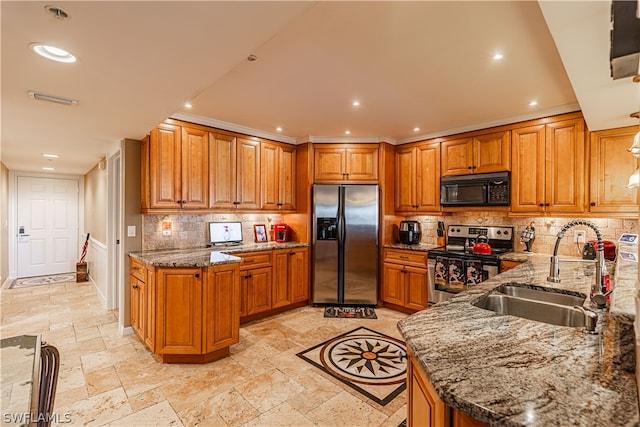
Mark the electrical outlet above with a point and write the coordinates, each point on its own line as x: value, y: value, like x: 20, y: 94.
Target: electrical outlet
x: 579, y: 236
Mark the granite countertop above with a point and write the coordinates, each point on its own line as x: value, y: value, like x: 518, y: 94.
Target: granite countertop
x: 420, y: 247
x: 509, y: 371
x: 204, y: 257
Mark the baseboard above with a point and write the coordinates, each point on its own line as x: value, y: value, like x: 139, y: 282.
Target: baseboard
x: 126, y: 330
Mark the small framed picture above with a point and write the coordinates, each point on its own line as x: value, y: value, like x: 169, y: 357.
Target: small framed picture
x: 260, y: 231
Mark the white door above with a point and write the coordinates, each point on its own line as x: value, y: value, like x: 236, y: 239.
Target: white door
x: 47, y: 226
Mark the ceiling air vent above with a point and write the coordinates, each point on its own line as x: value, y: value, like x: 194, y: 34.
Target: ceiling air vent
x: 51, y: 98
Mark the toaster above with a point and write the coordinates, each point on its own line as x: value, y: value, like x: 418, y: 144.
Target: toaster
x: 589, y: 250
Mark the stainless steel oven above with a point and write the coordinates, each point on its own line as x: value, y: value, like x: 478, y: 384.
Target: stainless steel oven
x: 455, y: 268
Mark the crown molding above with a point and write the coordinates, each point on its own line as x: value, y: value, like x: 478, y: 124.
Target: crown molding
x: 537, y: 114
x: 232, y: 127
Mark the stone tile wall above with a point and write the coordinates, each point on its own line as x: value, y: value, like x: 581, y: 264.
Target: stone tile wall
x: 547, y: 229
x: 191, y: 231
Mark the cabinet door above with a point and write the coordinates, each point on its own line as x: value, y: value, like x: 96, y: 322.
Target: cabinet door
x: 278, y: 175
x: 564, y: 155
x: 492, y: 152
x: 287, y: 177
x: 405, y: 179
x: 134, y: 304
x: 195, y: 168
x: 528, y: 169
x: 393, y: 284
x: 222, y: 174
x: 179, y: 310
x: 329, y: 164
x: 611, y: 167
x: 416, y: 297
x: 427, y: 177
x: 424, y: 406
x: 281, y: 290
x: 299, y: 274
x: 248, y: 174
x: 258, y: 290
x: 164, y: 167
x: 457, y: 157
x: 149, y: 330
x: 221, y: 303
x: 361, y: 163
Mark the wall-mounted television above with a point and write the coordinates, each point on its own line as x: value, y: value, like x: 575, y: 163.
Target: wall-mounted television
x: 225, y: 233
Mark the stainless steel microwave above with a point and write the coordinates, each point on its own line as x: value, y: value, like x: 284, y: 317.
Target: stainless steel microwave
x: 482, y: 189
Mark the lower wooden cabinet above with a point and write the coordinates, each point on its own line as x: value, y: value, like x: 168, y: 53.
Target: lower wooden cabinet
x: 179, y: 310
x: 424, y: 406
x: 404, y: 281
x: 192, y: 315
x: 221, y: 304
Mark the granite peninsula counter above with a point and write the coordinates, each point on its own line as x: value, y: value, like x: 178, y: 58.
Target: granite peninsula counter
x: 510, y: 371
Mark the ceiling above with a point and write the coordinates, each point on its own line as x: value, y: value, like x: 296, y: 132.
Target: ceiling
x: 410, y: 64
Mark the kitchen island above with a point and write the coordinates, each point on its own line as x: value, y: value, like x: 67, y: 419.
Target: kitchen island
x: 510, y: 371
x: 187, y: 304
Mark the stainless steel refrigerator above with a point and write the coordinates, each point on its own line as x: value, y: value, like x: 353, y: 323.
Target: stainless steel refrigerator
x: 345, y: 244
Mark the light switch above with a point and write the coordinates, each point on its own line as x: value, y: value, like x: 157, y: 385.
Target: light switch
x: 131, y: 231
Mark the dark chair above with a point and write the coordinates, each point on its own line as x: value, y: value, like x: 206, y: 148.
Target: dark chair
x: 49, y: 367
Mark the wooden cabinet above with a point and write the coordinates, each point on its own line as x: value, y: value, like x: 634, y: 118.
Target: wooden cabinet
x: 177, y: 166
x: 404, y: 282
x: 142, y: 302
x: 424, y: 406
x: 221, y: 307
x: 477, y: 154
x: 290, y: 276
x: 346, y: 162
x: 256, y: 282
x: 278, y: 175
x: 611, y: 165
x: 179, y: 310
x: 548, y: 168
x: 418, y: 178
x: 234, y: 172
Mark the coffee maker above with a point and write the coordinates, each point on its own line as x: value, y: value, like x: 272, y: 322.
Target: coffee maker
x: 410, y: 232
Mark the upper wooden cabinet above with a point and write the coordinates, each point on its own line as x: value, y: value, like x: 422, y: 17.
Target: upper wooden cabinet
x: 177, y: 162
x: 418, y: 178
x: 278, y: 175
x: 346, y: 162
x: 478, y: 154
x: 611, y: 165
x: 548, y: 167
x: 234, y: 172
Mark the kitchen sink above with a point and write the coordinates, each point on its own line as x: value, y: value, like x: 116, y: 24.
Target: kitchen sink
x: 539, y: 293
x: 540, y: 311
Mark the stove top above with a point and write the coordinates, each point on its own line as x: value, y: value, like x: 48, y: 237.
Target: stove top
x: 461, y: 238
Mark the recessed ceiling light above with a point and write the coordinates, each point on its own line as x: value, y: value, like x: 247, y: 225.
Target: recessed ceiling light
x: 252, y: 58
x: 48, y: 168
x: 347, y: 132
x: 50, y: 155
x: 497, y: 56
x: 53, y: 53
x: 279, y: 129
x: 533, y: 103
x: 188, y: 105
x: 416, y: 129
x: 356, y: 103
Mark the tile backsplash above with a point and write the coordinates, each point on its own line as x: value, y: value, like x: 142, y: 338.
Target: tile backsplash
x: 191, y: 231
x: 547, y: 228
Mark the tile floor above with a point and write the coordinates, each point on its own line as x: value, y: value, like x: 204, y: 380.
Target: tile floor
x: 109, y: 379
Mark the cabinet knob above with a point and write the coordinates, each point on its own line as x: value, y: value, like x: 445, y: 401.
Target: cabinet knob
x: 470, y: 167
x: 593, y: 203
x: 184, y: 202
x: 547, y: 204
x: 135, y: 286
x: 541, y: 204
x: 197, y: 275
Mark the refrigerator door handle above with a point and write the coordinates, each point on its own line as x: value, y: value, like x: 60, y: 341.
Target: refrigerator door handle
x: 341, y: 241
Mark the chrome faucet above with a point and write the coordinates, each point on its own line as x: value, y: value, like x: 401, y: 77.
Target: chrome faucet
x: 598, y: 288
